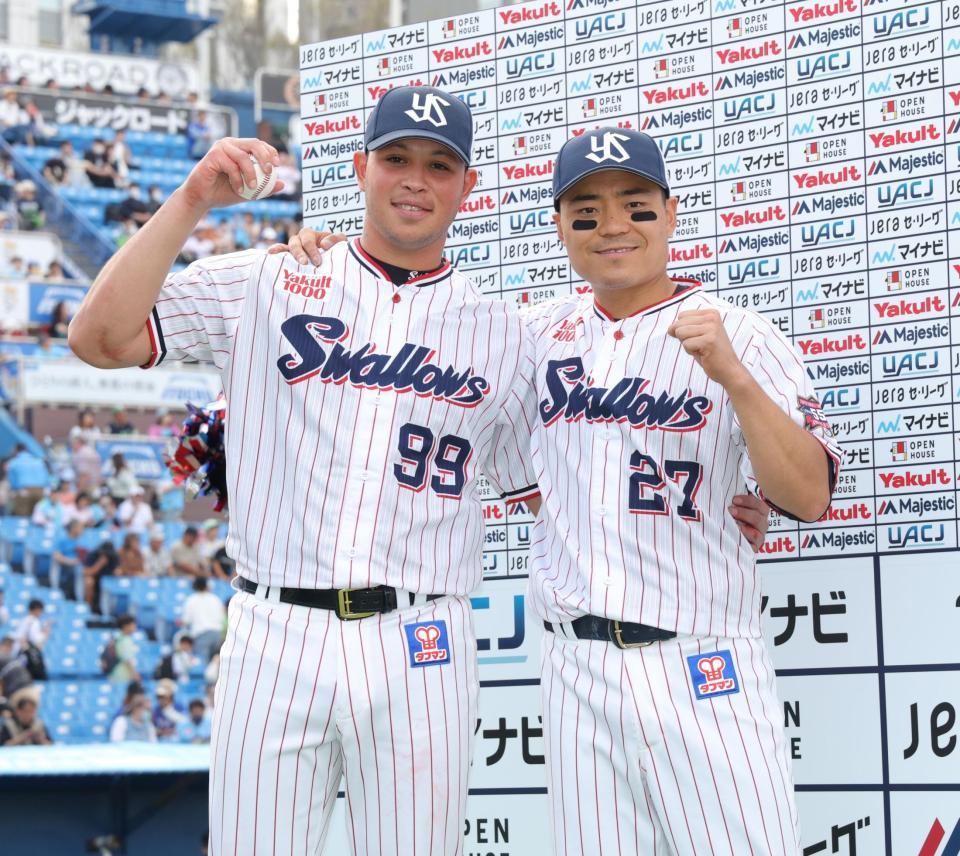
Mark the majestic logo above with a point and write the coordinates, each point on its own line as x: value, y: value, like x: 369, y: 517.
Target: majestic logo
x: 410, y: 370
x: 573, y: 396
x: 609, y: 148
x: 429, y: 108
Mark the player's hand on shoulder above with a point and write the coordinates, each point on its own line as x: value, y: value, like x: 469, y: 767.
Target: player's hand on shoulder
x: 753, y: 518
x: 703, y: 336
x: 308, y: 245
x: 218, y: 178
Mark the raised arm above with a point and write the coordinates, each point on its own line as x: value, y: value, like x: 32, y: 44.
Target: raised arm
x: 109, y: 330
x: 792, y: 467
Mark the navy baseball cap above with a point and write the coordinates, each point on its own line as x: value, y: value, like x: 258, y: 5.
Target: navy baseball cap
x: 607, y: 148
x: 424, y: 112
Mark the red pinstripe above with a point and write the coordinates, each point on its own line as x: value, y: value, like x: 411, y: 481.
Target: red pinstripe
x: 263, y: 734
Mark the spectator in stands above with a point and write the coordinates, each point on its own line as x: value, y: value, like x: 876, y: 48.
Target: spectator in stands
x: 30, y: 638
x: 6, y: 494
x: 99, y: 170
x: 288, y: 173
x: 32, y: 129
x: 222, y: 566
x: 204, y: 617
x: 16, y: 268
x: 86, y: 428
x: 29, y: 211
x: 55, y: 273
x: 164, y: 425
x: 135, y: 515
x: 84, y: 509
x: 134, y: 688
x: 127, y: 652
x: 135, y: 724
x: 200, y: 244
x: 171, y: 499
x: 14, y: 676
x: 49, y: 511
x: 178, y: 663
x: 86, y: 465
x: 166, y: 715
x: 211, y: 542
x: 133, y: 208
x: 199, y: 135
x: 28, y: 477
x: 11, y: 113
x: 34, y: 271
x: 105, y: 513
x: 186, y: 556
x: 4, y: 610
x: 100, y: 562
x: 156, y: 558
x: 25, y: 728
x: 268, y: 133
x: 121, y: 424
x: 59, y: 318
x: 8, y: 178
x: 120, y: 157
x: 121, y: 482
x: 154, y: 198
x: 68, y: 553
x: 131, y: 556
x: 56, y: 170
x: 195, y: 728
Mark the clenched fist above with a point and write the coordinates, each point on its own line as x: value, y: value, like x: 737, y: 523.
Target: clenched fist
x: 703, y: 336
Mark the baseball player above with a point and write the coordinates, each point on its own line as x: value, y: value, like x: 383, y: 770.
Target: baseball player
x: 654, y: 403
x: 365, y: 396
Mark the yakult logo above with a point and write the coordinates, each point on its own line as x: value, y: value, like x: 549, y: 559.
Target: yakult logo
x: 306, y: 286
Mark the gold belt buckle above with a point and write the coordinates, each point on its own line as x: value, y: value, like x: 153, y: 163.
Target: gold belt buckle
x: 618, y: 638
x: 344, y: 612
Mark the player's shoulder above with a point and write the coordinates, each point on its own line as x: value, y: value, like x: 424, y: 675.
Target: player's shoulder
x: 227, y: 267
x: 280, y: 264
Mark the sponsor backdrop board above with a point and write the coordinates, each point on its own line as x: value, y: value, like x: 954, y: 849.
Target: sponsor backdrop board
x: 815, y: 150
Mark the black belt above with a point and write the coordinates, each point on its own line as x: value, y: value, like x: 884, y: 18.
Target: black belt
x: 623, y: 634
x: 349, y: 604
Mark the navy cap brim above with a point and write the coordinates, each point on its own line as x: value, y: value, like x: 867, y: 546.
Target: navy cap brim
x: 604, y: 168
x: 407, y: 134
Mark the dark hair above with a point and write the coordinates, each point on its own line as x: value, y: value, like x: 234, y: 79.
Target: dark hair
x: 34, y: 604
x: 186, y: 637
x: 125, y: 621
x: 191, y: 530
x: 196, y: 702
x: 200, y: 584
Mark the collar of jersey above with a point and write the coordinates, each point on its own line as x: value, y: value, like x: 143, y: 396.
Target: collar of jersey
x: 367, y: 261
x: 687, y: 286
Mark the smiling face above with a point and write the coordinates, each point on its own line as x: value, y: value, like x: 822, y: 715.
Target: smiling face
x: 619, y: 253
x: 414, y: 189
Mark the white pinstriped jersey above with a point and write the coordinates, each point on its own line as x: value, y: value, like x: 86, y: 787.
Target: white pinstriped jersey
x: 360, y: 414
x: 638, y: 455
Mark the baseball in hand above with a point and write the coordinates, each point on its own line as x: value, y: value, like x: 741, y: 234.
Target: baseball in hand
x: 265, y: 183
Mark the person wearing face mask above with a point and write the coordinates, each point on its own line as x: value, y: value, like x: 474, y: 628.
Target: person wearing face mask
x: 134, y: 208
x: 154, y: 198
x: 99, y: 170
